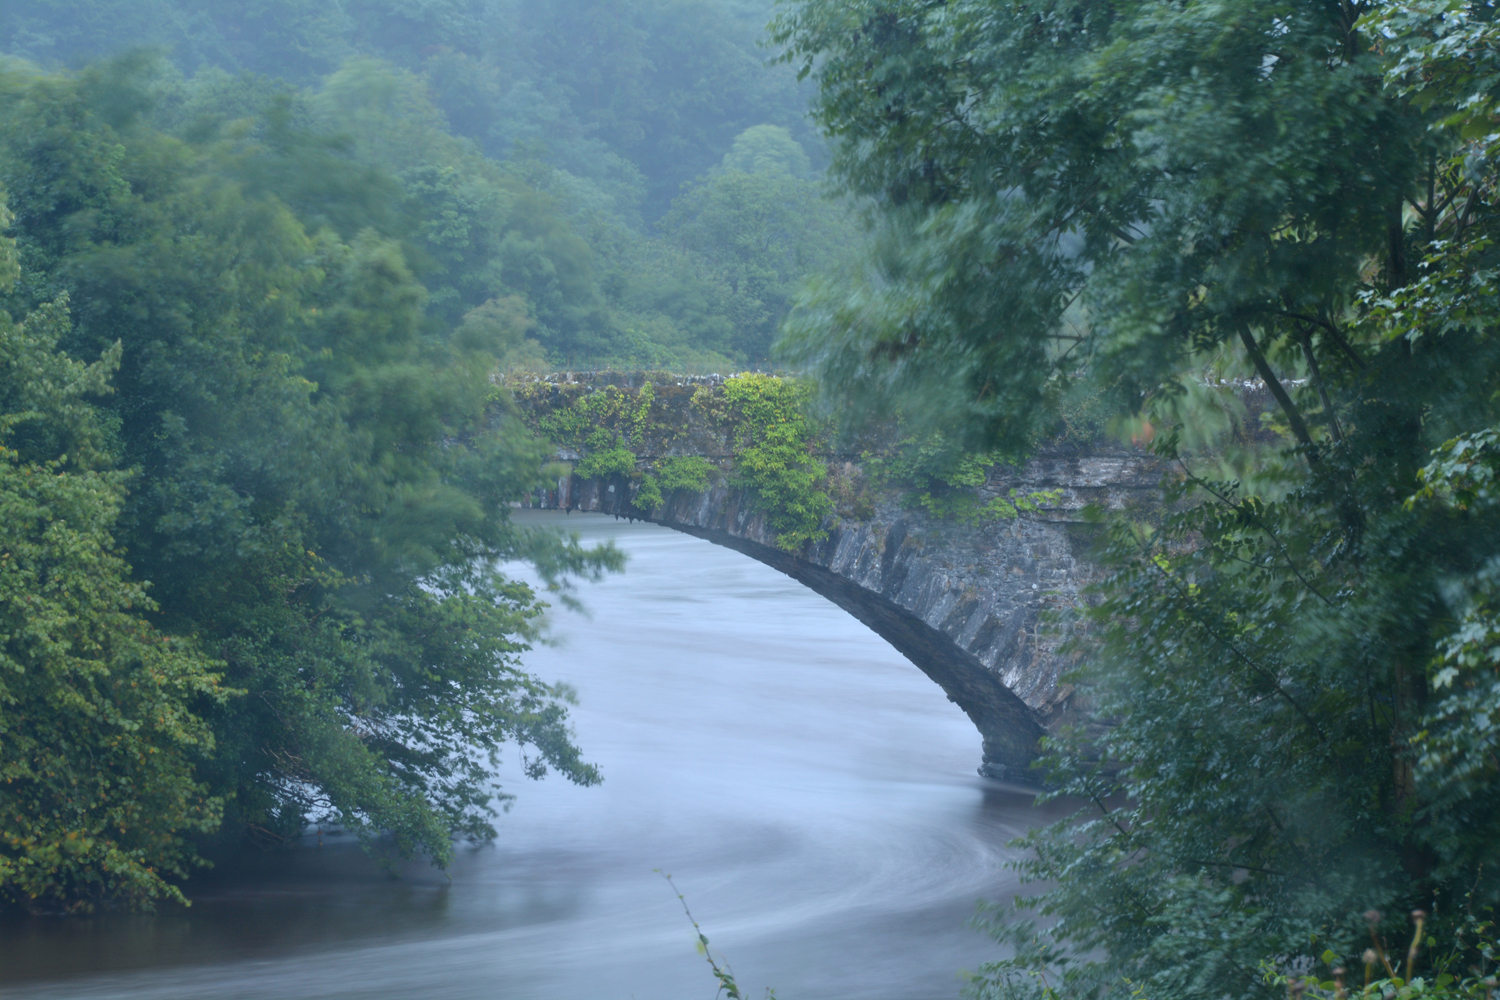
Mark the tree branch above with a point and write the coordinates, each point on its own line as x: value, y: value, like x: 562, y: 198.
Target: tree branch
x: 1344, y: 345
x: 1338, y: 337
x: 1317, y: 374
x: 1233, y: 648
x: 1248, y: 513
x: 1293, y: 415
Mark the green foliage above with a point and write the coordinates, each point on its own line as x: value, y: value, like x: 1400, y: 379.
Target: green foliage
x: 664, y: 84
x: 723, y: 974
x: 1456, y: 746
x: 766, y: 428
x: 322, y: 481
x: 315, y: 233
x: 649, y: 495
x: 757, y: 235
x: 605, y: 459
x: 1115, y: 210
x: 943, y: 479
x: 686, y: 472
x: 1442, y: 985
x: 967, y: 509
x: 773, y: 458
x: 98, y: 728
x: 394, y: 723
x: 601, y: 426
x: 499, y: 327
x: 678, y: 472
x: 476, y: 233
x: 1385, y: 975
x: 1211, y: 174
x: 520, y: 148
x: 1264, y: 689
x: 767, y: 149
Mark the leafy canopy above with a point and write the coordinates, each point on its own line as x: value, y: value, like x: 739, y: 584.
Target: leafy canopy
x: 1145, y: 205
x: 99, y: 728
x: 518, y: 148
x: 320, y: 473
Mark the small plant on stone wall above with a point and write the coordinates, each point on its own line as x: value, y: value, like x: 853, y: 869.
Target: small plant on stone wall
x: 602, y: 426
x: 680, y: 472
x: 943, y: 479
x: 765, y: 424
x: 849, y: 487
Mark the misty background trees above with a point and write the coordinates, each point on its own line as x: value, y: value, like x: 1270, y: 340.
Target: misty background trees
x: 572, y: 156
x: 261, y: 266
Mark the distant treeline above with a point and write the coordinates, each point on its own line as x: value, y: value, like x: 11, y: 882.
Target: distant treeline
x: 622, y: 183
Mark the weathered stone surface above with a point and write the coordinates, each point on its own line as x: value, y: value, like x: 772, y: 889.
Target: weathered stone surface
x: 981, y: 609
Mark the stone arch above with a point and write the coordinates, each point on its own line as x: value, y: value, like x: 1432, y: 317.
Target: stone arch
x: 966, y: 604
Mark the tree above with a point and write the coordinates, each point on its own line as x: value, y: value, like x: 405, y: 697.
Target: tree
x: 513, y: 148
x: 759, y: 226
x: 767, y: 149
x: 1132, y: 201
x: 1147, y: 164
x: 667, y: 84
x: 322, y: 479
x: 98, y: 729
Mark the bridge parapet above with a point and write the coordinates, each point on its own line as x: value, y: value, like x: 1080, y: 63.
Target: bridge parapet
x: 982, y: 605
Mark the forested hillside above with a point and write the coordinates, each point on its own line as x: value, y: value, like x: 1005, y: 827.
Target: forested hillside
x: 263, y: 265
x: 569, y: 165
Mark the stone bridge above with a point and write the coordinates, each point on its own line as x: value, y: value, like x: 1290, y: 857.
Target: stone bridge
x: 981, y: 608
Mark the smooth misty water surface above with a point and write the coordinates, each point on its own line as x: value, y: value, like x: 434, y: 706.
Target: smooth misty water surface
x: 812, y: 793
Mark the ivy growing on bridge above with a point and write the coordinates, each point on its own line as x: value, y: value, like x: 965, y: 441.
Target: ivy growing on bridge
x: 773, y: 456
x: 763, y: 425
x: 680, y: 472
x: 941, y: 478
x: 600, y: 425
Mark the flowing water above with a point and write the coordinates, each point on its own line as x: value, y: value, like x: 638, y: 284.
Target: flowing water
x: 813, y: 795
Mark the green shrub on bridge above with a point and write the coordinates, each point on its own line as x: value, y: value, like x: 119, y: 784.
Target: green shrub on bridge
x: 765, y: 425
x: 773, y: 442
x: 602, y: 426
x: 680, y: 472
x: 942, y: 478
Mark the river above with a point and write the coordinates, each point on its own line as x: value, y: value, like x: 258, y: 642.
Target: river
x: 813, y: 795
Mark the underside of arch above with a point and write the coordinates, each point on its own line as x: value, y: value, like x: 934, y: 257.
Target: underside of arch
x: 1009, y: 727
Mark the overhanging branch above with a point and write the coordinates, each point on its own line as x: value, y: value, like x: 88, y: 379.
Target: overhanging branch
x: 1293, y: 415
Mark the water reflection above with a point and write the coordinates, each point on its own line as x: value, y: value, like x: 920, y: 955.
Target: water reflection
x: 813, y: 794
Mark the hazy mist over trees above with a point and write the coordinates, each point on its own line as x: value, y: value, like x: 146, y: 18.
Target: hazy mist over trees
x: 570, y: 158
